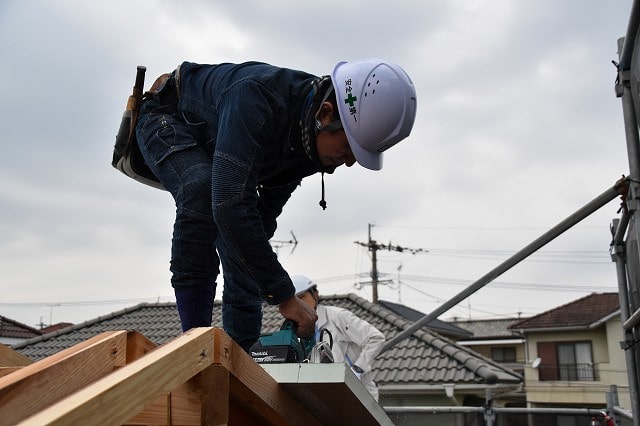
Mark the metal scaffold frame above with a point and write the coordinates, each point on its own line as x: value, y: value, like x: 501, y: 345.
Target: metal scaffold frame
x: 625, y: 249
x: 625, y: 245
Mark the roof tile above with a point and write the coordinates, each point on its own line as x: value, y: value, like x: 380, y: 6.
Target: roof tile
x: 423, y: 358
x: 579, y: 313
x: 14, y: 329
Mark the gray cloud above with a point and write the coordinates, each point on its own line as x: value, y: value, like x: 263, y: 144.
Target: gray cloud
x: 518, y: 126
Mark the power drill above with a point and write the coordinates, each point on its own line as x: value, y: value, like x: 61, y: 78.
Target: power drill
x: 282, y: 346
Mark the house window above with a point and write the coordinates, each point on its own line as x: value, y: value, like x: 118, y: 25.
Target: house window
x: 565, y: 361
x: 574, y: 361
x: 504, y: 354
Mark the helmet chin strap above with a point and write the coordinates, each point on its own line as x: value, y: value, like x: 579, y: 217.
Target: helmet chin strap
x: 309, y: 121
x: 323, y: 202
x: 333, y: 125
x: 310, y: 126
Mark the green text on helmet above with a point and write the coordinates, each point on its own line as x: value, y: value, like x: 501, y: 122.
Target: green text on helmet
x: 377, y: 106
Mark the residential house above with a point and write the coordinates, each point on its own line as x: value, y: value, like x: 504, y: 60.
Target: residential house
x: 13, y: 332
x: 494, y: 339
x: 426, y: 369
x: 574, y: 354
x: 443, y: 328
x: 55, y: 327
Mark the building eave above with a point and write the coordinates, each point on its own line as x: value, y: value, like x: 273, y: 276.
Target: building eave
x: 585, y: 327
x: 491, y: 342
x: 439, y: 388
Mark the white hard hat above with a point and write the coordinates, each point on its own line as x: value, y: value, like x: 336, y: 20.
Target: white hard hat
x: 377, y: 105
x: 302, y: 284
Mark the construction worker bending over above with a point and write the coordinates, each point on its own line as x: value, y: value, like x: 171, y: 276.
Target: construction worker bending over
x: 355, y: 341
x: 231, y: 142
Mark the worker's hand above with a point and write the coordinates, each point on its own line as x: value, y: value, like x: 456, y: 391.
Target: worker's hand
x: 302, y: 314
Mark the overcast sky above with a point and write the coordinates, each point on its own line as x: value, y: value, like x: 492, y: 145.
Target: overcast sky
x: 518, y: 126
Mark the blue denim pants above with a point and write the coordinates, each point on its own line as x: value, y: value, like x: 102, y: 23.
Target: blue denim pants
x: 180, y: 155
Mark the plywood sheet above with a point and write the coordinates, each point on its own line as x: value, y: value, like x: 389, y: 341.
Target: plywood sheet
x: 330, y: 392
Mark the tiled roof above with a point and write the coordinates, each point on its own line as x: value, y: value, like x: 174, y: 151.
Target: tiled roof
x: 158, y: 322
x: 424, y: 358
x: 448, y: 329
x: 579, y: 313
x: 490, y: 328
x: 15, y: 329
x: 54, y: 327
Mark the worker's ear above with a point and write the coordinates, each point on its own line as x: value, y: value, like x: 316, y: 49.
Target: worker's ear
x: 326, y: 112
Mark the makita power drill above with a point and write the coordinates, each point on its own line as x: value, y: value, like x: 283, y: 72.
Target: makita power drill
x: 282, y: 346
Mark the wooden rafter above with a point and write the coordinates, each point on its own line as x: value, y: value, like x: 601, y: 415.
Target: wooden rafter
x: 200, y: 377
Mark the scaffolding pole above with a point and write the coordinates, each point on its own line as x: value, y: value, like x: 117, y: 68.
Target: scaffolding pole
x: 618, y: 255
x: 616, y: 190
x: 627, y: 252
x: 627, y: 261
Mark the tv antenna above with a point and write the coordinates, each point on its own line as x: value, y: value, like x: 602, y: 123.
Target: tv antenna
x: 278, y: 244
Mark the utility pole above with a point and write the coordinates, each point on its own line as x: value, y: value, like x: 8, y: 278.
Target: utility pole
x: 373, y: 247
x: 41, y: 324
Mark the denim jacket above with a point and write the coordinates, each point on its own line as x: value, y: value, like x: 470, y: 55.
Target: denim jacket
x: 248, y: 113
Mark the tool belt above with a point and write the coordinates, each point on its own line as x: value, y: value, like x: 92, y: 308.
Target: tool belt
x: 127, y: 157
x: 165, y: 89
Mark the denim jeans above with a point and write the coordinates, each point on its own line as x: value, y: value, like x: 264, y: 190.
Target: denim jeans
x: 224, y: 155
x: 184, y: 166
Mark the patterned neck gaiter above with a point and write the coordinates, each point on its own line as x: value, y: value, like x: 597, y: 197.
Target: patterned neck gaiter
x: 320, y: 89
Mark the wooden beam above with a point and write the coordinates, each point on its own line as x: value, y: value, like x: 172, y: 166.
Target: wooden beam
x: 179, y: 407
x: 11, y: 358
x: 234, y: 390
x: 138, y: 345
x: 202, y: 400
x: 5, y: 371
x: 214, y: 383
x: 125, y: 392
x: 201, y: 377
x: 42, y: 383
x: 255, y: 390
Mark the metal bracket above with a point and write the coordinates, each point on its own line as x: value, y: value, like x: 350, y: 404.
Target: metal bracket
x: 617, y: 251
x: 628, y: 344
x: 622, y: 82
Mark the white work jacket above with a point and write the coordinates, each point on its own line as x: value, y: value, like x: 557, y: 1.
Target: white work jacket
x: 355, y: 341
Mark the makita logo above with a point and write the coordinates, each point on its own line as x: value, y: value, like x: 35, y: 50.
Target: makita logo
x: 268, y: 359
x: 259, y: 353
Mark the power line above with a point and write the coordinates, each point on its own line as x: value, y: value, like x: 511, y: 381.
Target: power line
x: 464, y: 282
x: 353, y: 278
x: 481, y: 311
x: 548, y: 256
x: 587, y: 253
x: 571, y: 257
x: 373, y: 247
x: 489, y: 228
x: 77, y: 302
x: 513, y: 285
